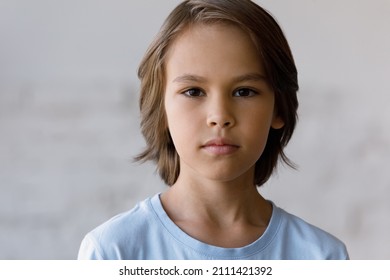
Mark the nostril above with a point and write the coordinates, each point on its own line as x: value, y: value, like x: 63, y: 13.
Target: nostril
x: 220, y: 122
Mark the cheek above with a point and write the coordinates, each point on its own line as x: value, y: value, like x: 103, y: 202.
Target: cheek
x: 179, y: 124
x: 182, y: 116
x: 257, y: 127
x: 174, y: 119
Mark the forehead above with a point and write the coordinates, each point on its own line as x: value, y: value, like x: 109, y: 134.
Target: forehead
x: 213, y: 48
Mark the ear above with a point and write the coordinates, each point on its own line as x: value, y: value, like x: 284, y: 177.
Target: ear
x: 277, y: 122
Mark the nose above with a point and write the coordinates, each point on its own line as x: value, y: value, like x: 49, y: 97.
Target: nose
x: 220, y: 113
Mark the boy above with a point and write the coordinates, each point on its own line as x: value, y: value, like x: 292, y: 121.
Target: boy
x: 218, y: 105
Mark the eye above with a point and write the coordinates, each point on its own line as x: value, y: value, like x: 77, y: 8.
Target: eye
x: 193, y: 92
x: 245, y: 92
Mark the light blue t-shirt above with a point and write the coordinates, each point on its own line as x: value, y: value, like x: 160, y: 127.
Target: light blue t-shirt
x: 147, y: 233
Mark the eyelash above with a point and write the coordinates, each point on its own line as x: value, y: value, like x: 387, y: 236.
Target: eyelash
x: 251, y: 92
x: 199, y: 93
x: 188, y: 93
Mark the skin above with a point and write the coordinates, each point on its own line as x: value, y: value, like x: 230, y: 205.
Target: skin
x: 219, y: 110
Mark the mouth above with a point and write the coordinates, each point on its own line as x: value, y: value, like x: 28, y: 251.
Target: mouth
x: 220, y: 146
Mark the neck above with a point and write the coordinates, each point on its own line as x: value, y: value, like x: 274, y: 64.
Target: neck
x: 220, y: 203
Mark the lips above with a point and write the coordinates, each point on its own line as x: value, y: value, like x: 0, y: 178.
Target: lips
x: 220, y: 146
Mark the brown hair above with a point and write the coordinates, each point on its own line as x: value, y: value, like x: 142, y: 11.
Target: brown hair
x: 274, y: 53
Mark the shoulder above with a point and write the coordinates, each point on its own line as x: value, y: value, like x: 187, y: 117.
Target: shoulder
x: 306, y: 241
x: 108, y: 240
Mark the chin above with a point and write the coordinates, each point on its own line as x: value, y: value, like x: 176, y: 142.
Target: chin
x: 229, y: 177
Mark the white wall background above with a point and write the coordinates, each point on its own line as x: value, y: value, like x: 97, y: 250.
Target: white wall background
x: 69, y: 121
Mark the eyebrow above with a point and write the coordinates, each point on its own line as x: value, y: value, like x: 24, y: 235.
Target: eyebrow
x: 189, y: 78
x: 251, y: 77
x: 255, y: 77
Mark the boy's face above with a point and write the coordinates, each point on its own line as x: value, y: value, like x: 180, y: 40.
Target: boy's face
x: 219, y: 106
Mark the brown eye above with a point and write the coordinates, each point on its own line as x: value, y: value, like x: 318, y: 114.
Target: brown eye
x: 244, y: 92
x: 193, y: 92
